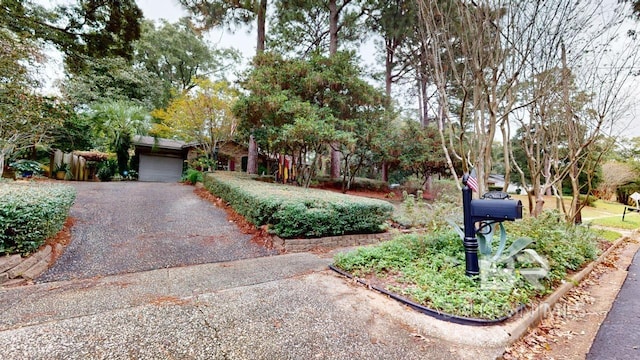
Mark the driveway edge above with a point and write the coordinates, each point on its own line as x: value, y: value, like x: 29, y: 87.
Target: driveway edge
x: 535, y: 316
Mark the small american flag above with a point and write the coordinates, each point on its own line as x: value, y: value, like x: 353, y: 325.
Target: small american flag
x: 472, y: 181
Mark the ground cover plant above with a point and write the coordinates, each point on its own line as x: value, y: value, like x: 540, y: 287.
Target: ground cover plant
x: 416, y: 212
x: 429, y: 268
x: 31, y: 213
x: 292, y: 211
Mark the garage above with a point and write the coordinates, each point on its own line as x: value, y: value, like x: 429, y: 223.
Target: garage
x: 160, y: 168
x: 159, y: 160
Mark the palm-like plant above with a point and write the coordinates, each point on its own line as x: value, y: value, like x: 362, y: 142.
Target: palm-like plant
x: 118, y: 121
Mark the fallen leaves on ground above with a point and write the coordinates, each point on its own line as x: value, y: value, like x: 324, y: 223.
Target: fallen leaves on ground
x: 537, y: 344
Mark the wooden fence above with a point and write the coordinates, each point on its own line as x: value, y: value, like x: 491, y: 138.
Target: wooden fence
x: 81, y: 166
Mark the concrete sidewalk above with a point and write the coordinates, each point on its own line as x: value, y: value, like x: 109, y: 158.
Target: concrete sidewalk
x: 278, y: 307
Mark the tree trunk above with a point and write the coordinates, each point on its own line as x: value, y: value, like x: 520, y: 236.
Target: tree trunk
x: 385, y: 172
x: 335, y: 161
x: 537, y: 193
x: 572, y: 134
x: 424, y: 106
x: 575, y: 211
x: 334, y: 17
x: 262, y: 14
x: 333, y: 49
x: 252, y: 157
x: 388, y: 68
x: 504, y: 127
x: 547, y: 174
x: 423, y: 85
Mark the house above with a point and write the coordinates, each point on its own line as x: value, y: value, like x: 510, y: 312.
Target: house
x: 496, y: 180
x: 164, y: 160
x: 160, y: 160
x: 233, y: 156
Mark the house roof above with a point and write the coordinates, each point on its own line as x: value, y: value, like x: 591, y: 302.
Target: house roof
x: 92, y: 155
x: 232, y: 148
x: 496, y: 178
x: 229, y: 147
x: 158, y: 143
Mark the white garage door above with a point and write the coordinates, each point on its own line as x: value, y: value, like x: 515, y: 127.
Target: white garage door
x: 160, y: 168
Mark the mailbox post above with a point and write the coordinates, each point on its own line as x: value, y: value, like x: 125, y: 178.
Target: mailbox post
x: 470, y: 242
x: 494, y: 207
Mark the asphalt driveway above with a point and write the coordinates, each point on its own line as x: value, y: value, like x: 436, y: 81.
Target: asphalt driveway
x: 124, y: 227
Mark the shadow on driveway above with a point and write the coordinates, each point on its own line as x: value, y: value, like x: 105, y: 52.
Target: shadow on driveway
x: 124, y: 227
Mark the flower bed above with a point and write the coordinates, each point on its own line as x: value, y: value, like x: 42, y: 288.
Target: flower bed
x: 429, y: 269
x: 31, y: 213
x: 292, y: 211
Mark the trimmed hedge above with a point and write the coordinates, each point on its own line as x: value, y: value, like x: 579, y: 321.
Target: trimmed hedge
x: 298, y: 212
x: 31, y: 213
x: 358, y: 183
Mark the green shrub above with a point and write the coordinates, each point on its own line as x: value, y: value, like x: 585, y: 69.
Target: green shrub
x: 417, y: 212
x: 31, y: 213
x: 26, y: 166
x: 107, y: 170
x: 446, y: 190
x: 566, y: 246
x: 588, y: 200
x: 359, y: 183
x: 297, y: 212
x: 192, y: 176
x: 370, y: 184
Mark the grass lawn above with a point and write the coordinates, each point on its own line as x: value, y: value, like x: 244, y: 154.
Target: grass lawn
x: 631, y: 222
x: 603, y: 213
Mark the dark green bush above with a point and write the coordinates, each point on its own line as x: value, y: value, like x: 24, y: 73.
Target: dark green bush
x: 26, y: 166
x: 566, y: 246
x: 297, y: 212
x: 358, y: 183
x: 29, y: 214
x: 192, y: 176
x: 107, y: 170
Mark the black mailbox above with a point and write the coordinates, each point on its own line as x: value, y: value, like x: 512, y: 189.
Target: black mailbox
x: 495, y: 210
x: 495, y: 206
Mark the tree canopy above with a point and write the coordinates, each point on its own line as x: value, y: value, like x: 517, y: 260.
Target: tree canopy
x: 179, y: 56
x: 541, y: 83
x: 285, y: 94
x: 87, y: 29
x: 202, y: 116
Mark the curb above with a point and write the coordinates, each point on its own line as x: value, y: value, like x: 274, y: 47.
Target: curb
x: 330, y: 242
x: 545, y: 307
x: 16, y: 270
x: 455, y: 319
